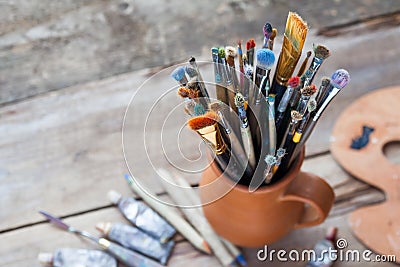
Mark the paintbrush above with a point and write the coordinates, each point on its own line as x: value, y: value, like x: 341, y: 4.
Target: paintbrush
x: 171, y: 215
x: 272, y: 38
x: 320, y: 54
x: 194, y: 85
x: 281, y: 110
x: 293, y: 41
x: 202, y: 86
x: 219, y: 74
x: 230, y: 60
x: 250, y: 44
x: 206, y: 126
x: 259, y: 109
x: 128, y: 257
x: 270, y: 160
x: 323, y: 90
x: 267, y: 31
x: 245, y: 130
x: 236, y: 146
x: 248, y: 73
x: 339, y: 80
x: 241, y: 67
x: 178, y: 75
x: 305, y: 96
x: 304, y: 64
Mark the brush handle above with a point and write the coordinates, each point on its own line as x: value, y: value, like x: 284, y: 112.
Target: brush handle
x: 248, y: 146
x: 128, y: 257
x: 279, y: 91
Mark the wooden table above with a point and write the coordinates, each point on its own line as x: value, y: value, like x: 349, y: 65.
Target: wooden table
x: 61, y: 152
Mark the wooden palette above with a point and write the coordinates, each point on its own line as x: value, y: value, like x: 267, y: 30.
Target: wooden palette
x: 377, y: 226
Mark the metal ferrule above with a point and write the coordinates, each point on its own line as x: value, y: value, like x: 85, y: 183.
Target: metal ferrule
x: 285, y: 99
x: 302, y: 106
x: 212, y: 136
x: 312, y: 70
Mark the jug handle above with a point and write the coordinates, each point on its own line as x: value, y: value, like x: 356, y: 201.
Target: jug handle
x: 315, y: 193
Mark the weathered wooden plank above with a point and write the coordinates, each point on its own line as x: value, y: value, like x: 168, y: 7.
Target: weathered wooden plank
x: 48, y: 45
x: 21, y: 247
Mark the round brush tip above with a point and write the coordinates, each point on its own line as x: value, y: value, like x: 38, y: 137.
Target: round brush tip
x: 267, y: 30
x: 340, y: 78
x: 114, y: 196
x: 178, y: 73
x: 265, y: 58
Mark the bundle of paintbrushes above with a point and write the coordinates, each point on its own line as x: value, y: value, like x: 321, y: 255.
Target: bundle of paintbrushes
x: 259, y: 123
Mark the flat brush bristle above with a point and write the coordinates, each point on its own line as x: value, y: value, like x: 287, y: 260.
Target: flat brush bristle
x: 265, y: 58
x: 199, y: 122
x: 183, y: 92
x: 321, y: 51
x: 296, y: 30
x: 294, y: 81
x: 193, y: 93
x: 340, y: 78
x: 178, y: 73
x: 309, y: 90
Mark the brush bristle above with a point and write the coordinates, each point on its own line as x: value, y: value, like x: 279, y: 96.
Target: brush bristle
x: 321, y: 51
x: 280, y: 152
x: 239, y: 100
x: 253, y: 43
x: 178, y: 73
x: 309, y: 90
x: 296, y: 115
x: 199, y: 122
x: 325, y: 81
x: 221, y: 52
x: 193, y: 93
x: 191, y: 71
x: 340, y: 78
x: 250, y: 44
x: 267, y: 30
x: 265, y: 58
x: 214, y: 50
x: 296, y: 30
x: 183, y: 92
x: 311, y: 105
x: 230, y: 51
x: 309, y: 54
x: 198, y: 109
x: 270, y: 160
x: 294, y: 81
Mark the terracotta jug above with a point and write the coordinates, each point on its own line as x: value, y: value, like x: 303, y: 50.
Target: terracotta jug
x: 255, y: 219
